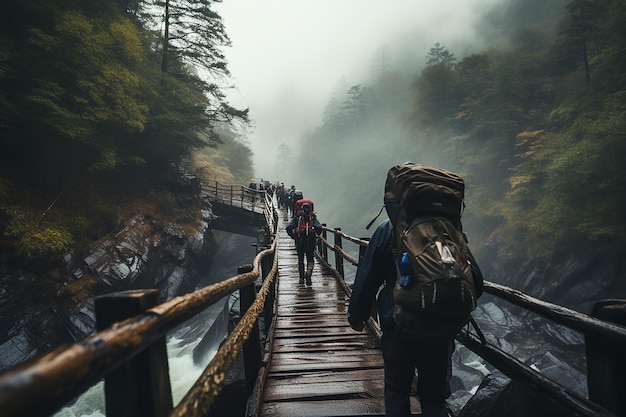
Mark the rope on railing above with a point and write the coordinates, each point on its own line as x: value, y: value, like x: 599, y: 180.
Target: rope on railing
x: 205, y: 390
x: 352, y: 239
x: 339, y: 250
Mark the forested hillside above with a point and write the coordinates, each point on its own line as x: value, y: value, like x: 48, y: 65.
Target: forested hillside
x: 535, y: 122
x: 100, y: 101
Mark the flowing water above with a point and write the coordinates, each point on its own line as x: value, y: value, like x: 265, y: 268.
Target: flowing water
x: 192, y: 345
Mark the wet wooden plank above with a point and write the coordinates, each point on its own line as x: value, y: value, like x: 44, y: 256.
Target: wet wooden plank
x: 307, y: 363
x: 328, y: 376
x: 324, y: 345
x: 340, y: 407
x: 320, y: 390
x: 334, y: 407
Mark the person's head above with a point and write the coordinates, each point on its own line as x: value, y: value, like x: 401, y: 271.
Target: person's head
x: 306, y: 209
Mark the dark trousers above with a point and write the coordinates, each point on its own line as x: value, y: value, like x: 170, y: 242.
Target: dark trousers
x: 433, y: 364
x: 305, y: 247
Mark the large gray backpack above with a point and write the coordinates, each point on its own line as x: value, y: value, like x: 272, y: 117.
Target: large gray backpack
x: 434, y: 293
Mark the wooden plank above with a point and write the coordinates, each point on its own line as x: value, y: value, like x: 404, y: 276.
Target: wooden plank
x: 332, y: 356
x: 303, y: 321
x: 340, y: 407
x: 321, y: 390
x: 336, y: 407
x: 329, y: 377
x: 327, y: 346
x: 314, y: 361
x: 330, y: 331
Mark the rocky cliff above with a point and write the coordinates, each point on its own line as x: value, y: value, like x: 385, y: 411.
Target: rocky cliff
x: 572, y: 277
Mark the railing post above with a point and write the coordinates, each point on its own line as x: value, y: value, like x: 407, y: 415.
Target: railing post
x: 338, y: 257
x: 268, y: 309
x: 252, y: 346
x: 325, y: 248
x: 141, y: 386
x: 606, y: 364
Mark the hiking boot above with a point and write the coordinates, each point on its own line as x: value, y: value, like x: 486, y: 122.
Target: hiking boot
x: 308, y: 280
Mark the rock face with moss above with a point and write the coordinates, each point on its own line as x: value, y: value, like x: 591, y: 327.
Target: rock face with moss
x: 143, y: 254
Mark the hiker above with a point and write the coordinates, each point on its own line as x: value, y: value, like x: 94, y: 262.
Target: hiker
x: 252, y: 186
x: 304, y: 229
x: 290, y: 200
x: 294, y: 197
x: 425, y: 346
x: 281, y: 195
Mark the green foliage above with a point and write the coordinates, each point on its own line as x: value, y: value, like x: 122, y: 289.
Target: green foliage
x: 87, y: 114
x: 230, y: 164
x: 33, y: 240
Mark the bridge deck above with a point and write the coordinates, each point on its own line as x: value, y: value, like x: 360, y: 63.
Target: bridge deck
x: 320, y: 366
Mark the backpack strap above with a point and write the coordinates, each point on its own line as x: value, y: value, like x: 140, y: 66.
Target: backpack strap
x: 374, y: 219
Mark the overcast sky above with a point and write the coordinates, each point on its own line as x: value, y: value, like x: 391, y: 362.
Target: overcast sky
x: 287, y: 56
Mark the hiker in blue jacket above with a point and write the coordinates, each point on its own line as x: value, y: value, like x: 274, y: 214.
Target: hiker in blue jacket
x: 401, y: 355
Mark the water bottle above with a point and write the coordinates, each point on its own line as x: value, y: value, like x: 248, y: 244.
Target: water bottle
x: 406, y: 275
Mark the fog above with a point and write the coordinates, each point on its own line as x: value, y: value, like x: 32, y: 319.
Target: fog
x: 288, y: 56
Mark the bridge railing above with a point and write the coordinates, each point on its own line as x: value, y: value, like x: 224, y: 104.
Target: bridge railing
x: 237, y: 195
x: 605, y: 339
x: 129, y: 351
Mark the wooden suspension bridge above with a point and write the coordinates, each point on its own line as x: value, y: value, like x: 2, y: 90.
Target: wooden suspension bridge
x: 306, y: 361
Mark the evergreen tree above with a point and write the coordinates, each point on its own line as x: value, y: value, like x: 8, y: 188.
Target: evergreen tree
x: 193, y: 37
x: 354, y: 104
x: 438, y: 54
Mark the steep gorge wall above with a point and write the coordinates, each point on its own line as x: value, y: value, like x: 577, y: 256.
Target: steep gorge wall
x: 575, y: 277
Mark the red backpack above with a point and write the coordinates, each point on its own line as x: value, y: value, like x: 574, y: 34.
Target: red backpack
x: 305, y: 220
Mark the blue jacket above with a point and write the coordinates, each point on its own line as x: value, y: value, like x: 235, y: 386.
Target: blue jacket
x: 376, y: 269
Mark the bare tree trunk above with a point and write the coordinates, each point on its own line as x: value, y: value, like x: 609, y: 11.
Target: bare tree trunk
x: 166, y: 36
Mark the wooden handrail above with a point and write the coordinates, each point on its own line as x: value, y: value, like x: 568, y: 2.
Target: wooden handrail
x: 570, y: 318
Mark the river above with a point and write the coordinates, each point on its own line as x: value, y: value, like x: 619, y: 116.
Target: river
x: 192, y: 345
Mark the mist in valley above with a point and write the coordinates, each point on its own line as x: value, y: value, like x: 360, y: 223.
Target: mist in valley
x: 294, y: 65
